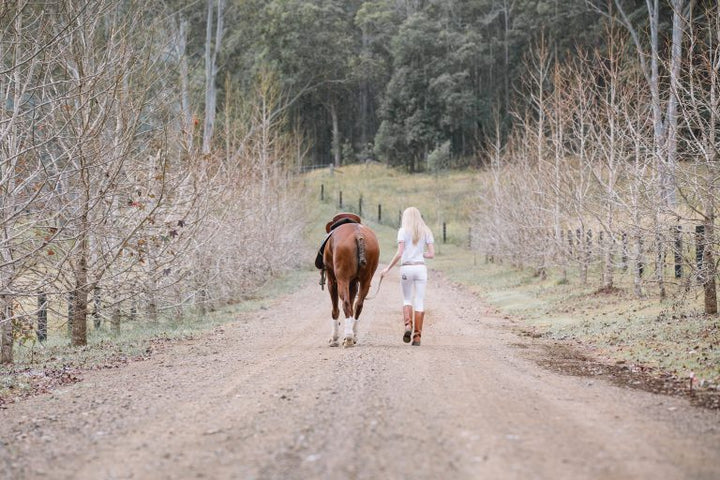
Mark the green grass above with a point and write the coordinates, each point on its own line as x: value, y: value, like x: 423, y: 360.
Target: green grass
x: 441, y: 198
x: 668, y: 336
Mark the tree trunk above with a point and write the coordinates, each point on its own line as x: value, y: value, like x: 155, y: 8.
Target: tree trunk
x: 6, y: 331
x: 80, y: 311
x: 335, y: 135
x: 660, y: 263
x: 673, y: 101
x: 211, y: 54
x: 506, y: 57
x: 188, y: 125
x: 152, y: 309
x: 710, y: 195
x: 115, y: 320
x: 664, y: 129
x: 582, y: 255
x: 710, y: 270
x: 82, y: 289
x: 70, y: 314
x: 638, y: 270
x: 608, y: 280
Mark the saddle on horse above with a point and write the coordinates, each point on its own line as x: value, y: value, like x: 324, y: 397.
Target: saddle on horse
x: 339, y: 219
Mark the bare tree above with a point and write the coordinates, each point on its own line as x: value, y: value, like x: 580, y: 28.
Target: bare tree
x: 608, y: 142
x: 700, y: 109
x: 99, y: 96
x: 24, y: 233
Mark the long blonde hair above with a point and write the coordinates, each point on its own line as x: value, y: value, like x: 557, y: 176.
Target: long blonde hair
x: 413, y: 222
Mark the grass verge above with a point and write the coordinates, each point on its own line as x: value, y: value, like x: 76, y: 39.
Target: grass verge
x: 41, y: 367
x: 668, y: 337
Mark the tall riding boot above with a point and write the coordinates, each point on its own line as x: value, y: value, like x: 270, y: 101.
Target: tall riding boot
x: 419, y: 317
x: 408, y: 319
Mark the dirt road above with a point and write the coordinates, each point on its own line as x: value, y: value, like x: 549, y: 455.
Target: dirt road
x: 265, y: 398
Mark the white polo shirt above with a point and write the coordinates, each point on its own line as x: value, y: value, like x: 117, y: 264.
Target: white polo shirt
x: 413, y: 253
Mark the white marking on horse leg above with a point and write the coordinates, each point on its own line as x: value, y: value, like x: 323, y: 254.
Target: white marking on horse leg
x: 349, y: 326
x: 355, y: 329
x: 335, y: 333
x: 349, y: 340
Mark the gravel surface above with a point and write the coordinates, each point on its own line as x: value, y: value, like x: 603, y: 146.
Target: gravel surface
x: 264, y: 397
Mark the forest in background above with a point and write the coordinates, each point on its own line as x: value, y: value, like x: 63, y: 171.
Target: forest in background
x: 414, y: 83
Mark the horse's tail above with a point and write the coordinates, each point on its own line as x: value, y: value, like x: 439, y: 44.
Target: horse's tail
x: 362, y: 259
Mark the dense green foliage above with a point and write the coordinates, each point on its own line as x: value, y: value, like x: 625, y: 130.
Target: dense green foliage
x: 395, y: 79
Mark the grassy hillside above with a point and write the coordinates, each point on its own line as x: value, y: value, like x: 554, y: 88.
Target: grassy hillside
x: 671, y: 337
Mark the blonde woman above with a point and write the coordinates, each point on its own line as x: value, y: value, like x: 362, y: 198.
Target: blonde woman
x: 415, y: 244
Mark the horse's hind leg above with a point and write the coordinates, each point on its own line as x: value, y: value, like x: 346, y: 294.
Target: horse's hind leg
x: 332, y: 288
x: 353, y: 295
x: 364, y: 290
x: 344, y: 290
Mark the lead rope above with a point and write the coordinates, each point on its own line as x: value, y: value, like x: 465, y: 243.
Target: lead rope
x: 376, y: 290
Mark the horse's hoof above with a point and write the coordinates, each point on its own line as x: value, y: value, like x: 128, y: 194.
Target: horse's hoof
x: 348, y: 342
x: 333, y: 343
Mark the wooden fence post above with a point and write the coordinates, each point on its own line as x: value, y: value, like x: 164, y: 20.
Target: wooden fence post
x: 624, y: 256
x: 70, y: 312
x: 97, y: 304
x: 322, y: 192
x: 340, y: 199
x: 115, y: 320
x: 678, y: 251
x: 699, y: 246
x: 379, y: 213
x: 360, y: 206
x: 444, y: 232
x: 42, y: 317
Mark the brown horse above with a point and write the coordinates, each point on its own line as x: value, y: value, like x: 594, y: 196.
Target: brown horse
x: 349, y: 255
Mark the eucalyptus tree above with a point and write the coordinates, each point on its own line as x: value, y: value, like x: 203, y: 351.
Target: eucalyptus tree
x: 378, y: 22
x: 214, y: 31
x: 430, y: 97
x: 664, y: 93
x: 311, y: 44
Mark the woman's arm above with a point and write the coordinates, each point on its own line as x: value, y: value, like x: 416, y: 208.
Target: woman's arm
x: 430, y: 251
x: 398, y: 254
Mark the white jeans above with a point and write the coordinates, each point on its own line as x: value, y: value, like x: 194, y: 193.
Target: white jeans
x: 414, y: 277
